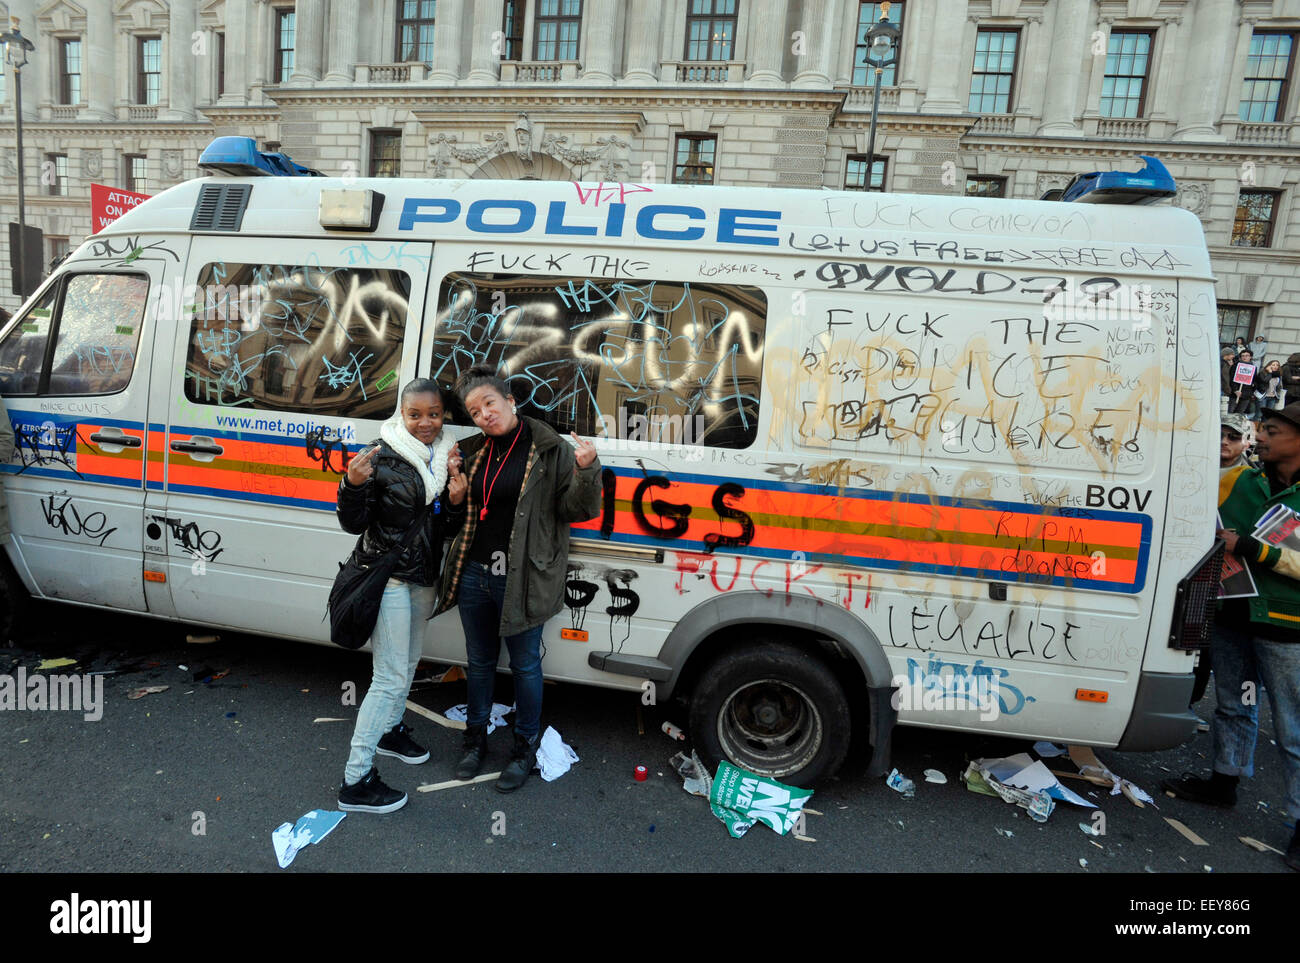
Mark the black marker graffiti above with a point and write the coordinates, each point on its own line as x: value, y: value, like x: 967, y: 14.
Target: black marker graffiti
x: 320, y: 446
x: 578, y: 594
x: 623, y: 605
x: 64, y: 516
x: 202, y: 545
x: 48, y: 444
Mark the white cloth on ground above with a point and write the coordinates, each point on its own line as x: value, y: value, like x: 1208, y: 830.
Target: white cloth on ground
x: 554, y: 755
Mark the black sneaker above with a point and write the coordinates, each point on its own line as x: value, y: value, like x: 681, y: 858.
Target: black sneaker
x: 370, y: 795
x: 397, y: 742
x: 1218, y: 790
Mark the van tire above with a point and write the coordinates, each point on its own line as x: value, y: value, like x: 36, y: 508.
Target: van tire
x: 15, y: 603
x: 773, y: 708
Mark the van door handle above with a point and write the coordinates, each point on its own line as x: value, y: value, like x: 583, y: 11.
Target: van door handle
x: 116, y: 436
x: 200, y: 446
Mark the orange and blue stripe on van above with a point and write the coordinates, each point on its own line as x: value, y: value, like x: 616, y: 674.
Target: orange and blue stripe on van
x: 53, y: 445
x: 1003, y: 541
x: 256, y: 467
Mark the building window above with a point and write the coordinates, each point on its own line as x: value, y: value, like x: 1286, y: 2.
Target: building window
x: 1268, y: 75
x: 994, y: 73
x: 710, y: 29
x: 855, y: 173
x: 135, y: 169
x: 149, y: 78
x: 385, y: 153
x: 1253, y: 225
x: 56, y: 249
x: 863, y: 74
x: 1123, y: 89
x: 55, y: 175
x: 558, y: 23
x: 415, y: 31
x: 512, y: 28
x: 693, y: 160
x: 284, y: 27
x: 1236, y: 321
x: 221, y: 64
x: 986, y: 187
x: 70, y: 71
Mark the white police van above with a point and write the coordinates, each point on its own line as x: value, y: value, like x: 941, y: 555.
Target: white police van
x: 868, y: 458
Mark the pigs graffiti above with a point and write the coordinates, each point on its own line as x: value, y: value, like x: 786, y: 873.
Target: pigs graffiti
x: 623, y: 603
x: 578, y: 593
x: 675, y: 518
x: 204, y: 546
x: 62, y: 515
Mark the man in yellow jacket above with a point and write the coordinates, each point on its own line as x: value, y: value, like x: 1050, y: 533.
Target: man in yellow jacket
x: 1257, y: 640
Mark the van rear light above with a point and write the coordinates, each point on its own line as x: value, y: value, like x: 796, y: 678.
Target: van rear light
x: 1194, y: 602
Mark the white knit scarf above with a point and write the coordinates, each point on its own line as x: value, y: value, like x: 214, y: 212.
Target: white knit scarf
x: 433, y: 472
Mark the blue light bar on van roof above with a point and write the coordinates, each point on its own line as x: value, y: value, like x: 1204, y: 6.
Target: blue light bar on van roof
x: 1146, y: 186
x: 240, y: 157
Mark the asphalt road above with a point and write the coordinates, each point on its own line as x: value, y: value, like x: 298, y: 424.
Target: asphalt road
x: 124, y: 794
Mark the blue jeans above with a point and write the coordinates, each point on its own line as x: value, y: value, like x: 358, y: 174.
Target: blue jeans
x: 1241, y: 657
x: 480, y: 600
x: 395, y: 646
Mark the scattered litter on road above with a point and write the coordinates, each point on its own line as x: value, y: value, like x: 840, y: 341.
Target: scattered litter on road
x: 1092, y: 829
x: 1208, y: 869
x: 554, y: 755
x: 640, y: 774
x: 1049, y: 750
x: 978, y: 778
x: 146, y: 690
x: 900, y: 784
x: 672, y: 732
x: 327, y: 719
x: 640, y: 722
x: 1003, y: 832
x: 442, y: 720
x: 1083, y: 862
x: 451, y: 783
x: 803, y: 839
x: 1093, y: 770
x: 1097, y: 844
x: 311, y: 828
x: 934, y: 775
x: 741, y: 798
x: 453, y: 674
x: 695, y: 775
x: 496, y: 717
x: 1191, y: 836
x: 56, y: 663
x: 1202, y: 727
x: 812, y: 812
x: 1262, y: 847
x: 103, y: 672
x: 202, y: 639
x: 183, y: 668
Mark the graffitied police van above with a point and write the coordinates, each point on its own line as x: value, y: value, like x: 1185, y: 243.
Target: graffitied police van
x: 868, y: 459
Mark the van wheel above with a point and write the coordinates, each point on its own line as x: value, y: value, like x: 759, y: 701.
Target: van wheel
x: 15, y: 603
x: 774, y: 709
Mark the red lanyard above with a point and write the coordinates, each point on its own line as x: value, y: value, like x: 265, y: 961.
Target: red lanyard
x: 487, y: 489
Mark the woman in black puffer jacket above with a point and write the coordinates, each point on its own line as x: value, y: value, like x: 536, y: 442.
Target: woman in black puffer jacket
x: 413, y: 465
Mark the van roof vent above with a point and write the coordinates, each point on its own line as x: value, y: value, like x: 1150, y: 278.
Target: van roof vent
x: 220, y: 207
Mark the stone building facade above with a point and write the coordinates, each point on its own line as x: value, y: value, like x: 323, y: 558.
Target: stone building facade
x: 987, y: 96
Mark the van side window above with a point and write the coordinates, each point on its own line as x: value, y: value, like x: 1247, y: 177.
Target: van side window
x: 96, y: 331
x: 22, y: 353
x: 298, y: 338
x: 659, y: 361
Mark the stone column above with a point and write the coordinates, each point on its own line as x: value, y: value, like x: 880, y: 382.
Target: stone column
x: 768, y: 49
x: 483, y: 62
x: 598, y: 53
x: 446, y: 42
x: 308, y: 42
x: 344, y: 20
x: 255, y: 55
x: 643, y: 31
x: 945, y: 93
x: 814, y: 70
x: 181, y: 62
x: 97, y: 85
x: 1204, y: 75
x: 1071, y: 43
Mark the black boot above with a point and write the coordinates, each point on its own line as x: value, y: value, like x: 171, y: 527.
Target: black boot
x: 1218, y: 790
x: 521, y: 764
x: 475, y: 748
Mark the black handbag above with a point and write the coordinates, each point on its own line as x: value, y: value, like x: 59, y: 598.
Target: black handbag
x: 353, y: 605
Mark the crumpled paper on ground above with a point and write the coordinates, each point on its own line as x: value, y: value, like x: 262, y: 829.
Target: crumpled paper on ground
x: 554, y: 755
x: 741, y: 798
x: 979, y: 779
x: 496, y: 717
x: 696, y: 779
x: 1094, y: 770
x: 310, y: 828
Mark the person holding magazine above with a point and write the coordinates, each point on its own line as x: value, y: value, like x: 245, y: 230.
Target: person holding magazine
x: 410, y: 476
x: 1256, y: 642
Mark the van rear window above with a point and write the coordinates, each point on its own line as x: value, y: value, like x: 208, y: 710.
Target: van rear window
x: 298, y: 338
x: 653, y: 361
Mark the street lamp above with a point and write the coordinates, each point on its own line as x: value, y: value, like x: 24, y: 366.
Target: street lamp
x: 882, y: 52
x: 16, y: 47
